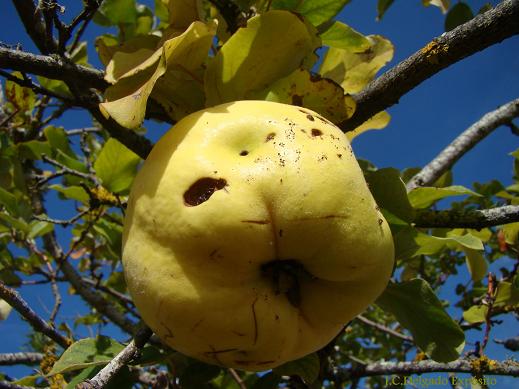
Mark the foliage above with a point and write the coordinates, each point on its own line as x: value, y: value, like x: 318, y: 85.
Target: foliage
x: 182, y: 56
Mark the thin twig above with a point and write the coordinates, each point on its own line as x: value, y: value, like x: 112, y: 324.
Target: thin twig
x: 14, y: 299
x: 64, y: 223
x: 463, y: 143
x: 490, y: 297
x: 471, y: 218
x: 385, y: 329
x: 20, y: 358
x: 81, y: 131
x: 130, y: 352
x: 482, y: 31
x: 235, y: 376
x: 68, y: 170
x: 509, y: 368
x: 27, y: 83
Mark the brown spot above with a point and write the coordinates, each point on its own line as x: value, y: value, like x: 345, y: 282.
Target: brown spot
x: 215, y: 352
x: 297, y: 100
x: 256, y: 221
x: 310, y: 117
x: 237, y: 333
x: 202, y: 189
x: 280, y: 180
x: 277, y: 317
x: 280, y: 233
x: 380, y: 221
x: 244, y: 153
x: 319, y: 218
x: 316, y: 132
x: 270, y: 136
x: 339, y: 155
x: 215, y: 254
x: 195, y: 326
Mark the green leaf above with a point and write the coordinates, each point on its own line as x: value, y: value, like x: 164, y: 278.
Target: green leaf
x: 307, y: 368
x: 476, y: 264
x: 511, y: 232
x: 85, y: 353
x: 342, y: 36
x: 114, y: 12
x: 424, y: 197
x: 8, y: 200
x: 23, y: 99
x: 55, y: 86
x: 306, y: 90
x: 72, y: 192
x: 390, y: 193
x: 459, y: 14
x: 475, y: 314
x: 39, y: 228
x: 244, y: 63
x: 116, y: 166
x: 417, y: 308
x: 5, y: 309
x: 382, y: 7
x: 352, y: 70
x: 58, y: 139
x: 315, y: 11
x: 197, y: 374
x: 34, y: 149
x: 507, y: 294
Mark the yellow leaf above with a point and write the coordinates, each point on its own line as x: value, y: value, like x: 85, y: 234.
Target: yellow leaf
x: 319, y: 94
x: 272, y: 46
x: 5, y: 309
x: 183, y: 12
x: 376, y: 122
x: 129, y: 64
x: 353, y: 71
x: 108, y: 45
x: 476, y: 264
x: 442, y: 4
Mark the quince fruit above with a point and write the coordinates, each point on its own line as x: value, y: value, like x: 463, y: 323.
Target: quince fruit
x: 251, y: 237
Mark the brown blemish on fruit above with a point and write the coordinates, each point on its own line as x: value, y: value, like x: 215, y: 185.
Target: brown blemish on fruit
x: 169, y: 334
x: 310, y: 117
x: 316, y: 132
x: 237, y: 333
x: 214, y: 353
x: 270, y: 136
x: 255, y: 320
x: 195, y: 326
x: 244, y: 153
x: 256, y: 221
x: 215, y: 254
x: 280, y: 233
x: 202, y: 189
x: 319, y: 218
x: 339, y: 155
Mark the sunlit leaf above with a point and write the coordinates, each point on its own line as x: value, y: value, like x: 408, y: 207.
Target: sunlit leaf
x: 423, y: 197
x: 181, y: 89
x: 5, y: 309
x: 315, y: 11
x: 87, y: 352
x: 23, y: 99
x: 511, y: 232
x: 342, y: 36
x: 353, y: 71
x: 58, y: 140
x: 417, y: 308
x: 376, y: 122
x: 116, y: 166
x: 107, y: 45
x: 459, y: 14
x: 245, y: 62
x: 442, y: 4
x: 39, y: 228
x: 306, y: 90
x: 307, y: 368
x: 476, y: 264
x: 72, y: 192
x: 80, y: 54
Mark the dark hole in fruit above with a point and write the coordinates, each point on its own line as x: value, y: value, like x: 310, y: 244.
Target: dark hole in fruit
x: 316, y: 132
x: 285, y: 276
x: 202, y: 189
x: 244, y: 153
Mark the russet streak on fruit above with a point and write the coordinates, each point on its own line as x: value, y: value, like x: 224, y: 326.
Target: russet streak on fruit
x: 251, y: 237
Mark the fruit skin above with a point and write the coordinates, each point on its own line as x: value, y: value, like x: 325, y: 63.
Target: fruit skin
x: 277, y: 182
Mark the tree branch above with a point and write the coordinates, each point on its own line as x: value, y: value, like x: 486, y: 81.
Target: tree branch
x: 463, y: 143
x: 32, y: 19
x: 124, y: 357
x: 51, y: 66
x: 479, y: 366
x: 14, y: 299
x: 20, y: 358
x: 479, y: 33
x: 471, y: 218
x: 385, y: 329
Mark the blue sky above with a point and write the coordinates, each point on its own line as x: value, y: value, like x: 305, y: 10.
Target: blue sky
x: 424, y: 122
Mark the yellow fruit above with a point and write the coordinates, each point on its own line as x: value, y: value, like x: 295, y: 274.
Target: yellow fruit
x: 251, y: 237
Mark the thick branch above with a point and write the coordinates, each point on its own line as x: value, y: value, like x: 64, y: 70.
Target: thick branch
x: 463, y: 143
x: 123, y: 358
x: 14, y: 299
x: 476, y: 366
x: 53, y: 67
x: 20, y: 358
x: 32, y: 19
x: 473, y: 218
x: 479, y: 33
